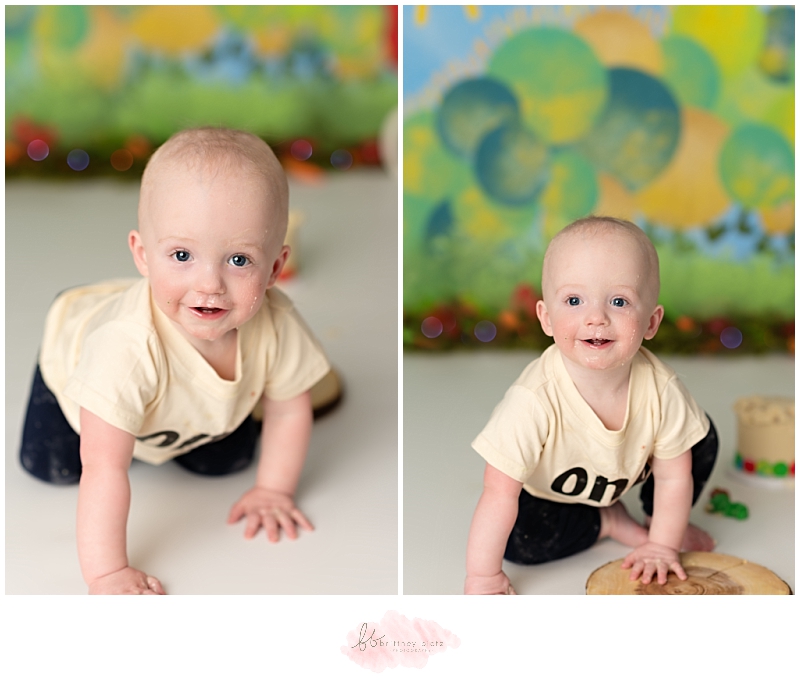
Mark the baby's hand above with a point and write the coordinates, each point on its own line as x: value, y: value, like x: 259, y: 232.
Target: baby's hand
x: 271, y: 509
x: 127, y: 581
x: 488, y: 585
x: 650, y: 559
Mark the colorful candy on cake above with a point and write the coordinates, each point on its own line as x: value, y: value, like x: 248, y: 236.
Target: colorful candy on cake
x: 765, y: 445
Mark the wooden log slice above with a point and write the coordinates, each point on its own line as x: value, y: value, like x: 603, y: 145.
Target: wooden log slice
x: 709, y: 574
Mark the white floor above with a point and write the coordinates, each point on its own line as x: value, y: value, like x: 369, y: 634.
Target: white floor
x: 62, y: 234
x: 447, y: 399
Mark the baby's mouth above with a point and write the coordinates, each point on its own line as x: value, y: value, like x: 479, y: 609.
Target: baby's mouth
x: 208, y: 311
x: 597, y: 342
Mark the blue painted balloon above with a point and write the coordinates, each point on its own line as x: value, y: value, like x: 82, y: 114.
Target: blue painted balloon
x: 511, y: 165
x: 470, y: 110
x: 637, y: 134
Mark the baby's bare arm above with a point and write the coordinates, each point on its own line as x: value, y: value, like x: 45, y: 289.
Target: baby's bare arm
x: 672, y: 503
x: 491, y: 525
x: 103, y: 504
x: 284, y: 444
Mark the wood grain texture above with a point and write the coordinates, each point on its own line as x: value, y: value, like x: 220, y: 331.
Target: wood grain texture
x: 709, y: 574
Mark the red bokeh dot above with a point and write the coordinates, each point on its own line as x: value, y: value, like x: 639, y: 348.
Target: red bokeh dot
x: 121, y: 160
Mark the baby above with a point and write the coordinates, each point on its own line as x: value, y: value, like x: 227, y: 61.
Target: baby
x: 595, y: 415
x: 171, y: 366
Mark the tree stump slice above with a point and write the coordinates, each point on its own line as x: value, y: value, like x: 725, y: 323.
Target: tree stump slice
x: 709, y: 574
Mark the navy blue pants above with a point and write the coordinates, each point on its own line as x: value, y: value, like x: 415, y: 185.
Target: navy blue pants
x: 51, y: 448
x: 547, y: 530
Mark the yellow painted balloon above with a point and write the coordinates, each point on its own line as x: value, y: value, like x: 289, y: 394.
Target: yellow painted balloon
x: 480, y: 218
x: 620, y: 39
x: 733, y: 34
x: 615, y: 200
x: 175, y: 28
x: 689, y: 192
x: 778, y: 220
x: 102, y: 56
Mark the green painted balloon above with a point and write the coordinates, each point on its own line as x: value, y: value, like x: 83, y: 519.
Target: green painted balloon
x: 429, y: 169
x: 63, y: 26
x: 757, y: 166
x: 572, y: 191
x: 690, y: 71
x: 560, y: 83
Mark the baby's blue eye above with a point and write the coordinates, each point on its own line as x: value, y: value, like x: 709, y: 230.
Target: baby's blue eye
x: 181, y: 255
x: 573, y: 301
x: 238, y: 260
x: 619, y: 302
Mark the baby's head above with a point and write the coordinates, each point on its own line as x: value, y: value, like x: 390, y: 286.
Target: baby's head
x: 600, y: 286
x: 213, y: 212
x: 204, y: 155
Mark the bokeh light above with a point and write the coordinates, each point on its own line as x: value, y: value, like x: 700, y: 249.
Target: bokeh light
x: 432, y: 327
x: 78, y: 159
x: 38, y: 150
x: 731, y: 337
x: 301, y: 150
x: 341, y: 159
x: 485, y: 331
x: 121, y: 160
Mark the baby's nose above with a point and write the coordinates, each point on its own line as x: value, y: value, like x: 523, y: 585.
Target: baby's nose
x: 596, y: 315
x: 210, y: 281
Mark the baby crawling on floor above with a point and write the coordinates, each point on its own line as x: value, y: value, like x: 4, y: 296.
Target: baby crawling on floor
x: 172, y: 365
x: 594, y: 416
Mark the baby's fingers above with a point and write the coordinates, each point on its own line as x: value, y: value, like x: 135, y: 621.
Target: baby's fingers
x: 287, y: 524
x: 636, y: 570
x: 155, y: 586
x: 679, y: 571
x: 302, y: 520
x: 254, y: 521
x: 267, y: 518
x: 236, y: 513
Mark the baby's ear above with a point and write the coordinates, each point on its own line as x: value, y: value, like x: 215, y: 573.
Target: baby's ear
x: 654, y: 322
x: 544, y: 318
x: 277, y: 266
x: 137, y: 249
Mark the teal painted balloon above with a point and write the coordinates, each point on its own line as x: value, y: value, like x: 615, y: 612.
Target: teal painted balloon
x: 690, y: 71
x: 757, y: 166
x: 558, y: 79
x: 638, y: 132
x: 511, y: 165
x: 776, y: 60
x: 470, y: 110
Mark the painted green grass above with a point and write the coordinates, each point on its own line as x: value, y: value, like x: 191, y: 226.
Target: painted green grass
x: 702, y: 288
x: 692, y: 284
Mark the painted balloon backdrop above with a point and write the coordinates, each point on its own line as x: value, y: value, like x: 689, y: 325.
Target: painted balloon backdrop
x: 96, y: 88
x: 519, y: 120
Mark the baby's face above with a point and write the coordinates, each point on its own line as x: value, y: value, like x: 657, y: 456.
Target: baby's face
x: 211, y: 247
x: 600, y: 300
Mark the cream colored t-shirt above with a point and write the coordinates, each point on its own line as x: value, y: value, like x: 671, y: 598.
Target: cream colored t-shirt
x: 544, y: 434
x: 109, y: 349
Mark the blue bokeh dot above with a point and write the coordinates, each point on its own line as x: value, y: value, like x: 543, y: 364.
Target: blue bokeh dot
x: 78, y: 159
x: 731, y: 337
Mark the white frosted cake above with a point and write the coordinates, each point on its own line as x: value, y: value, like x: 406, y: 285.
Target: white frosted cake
x: 765, y: 438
